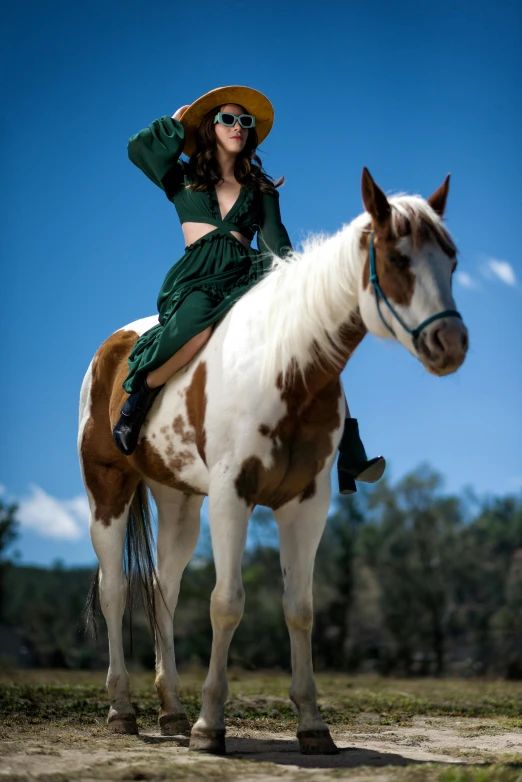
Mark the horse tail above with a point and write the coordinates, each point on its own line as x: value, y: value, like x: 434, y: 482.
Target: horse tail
x: 138, y: 564
x: 92, y: 603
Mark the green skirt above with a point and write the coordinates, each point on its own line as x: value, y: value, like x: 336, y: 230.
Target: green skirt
x: 198, y: 291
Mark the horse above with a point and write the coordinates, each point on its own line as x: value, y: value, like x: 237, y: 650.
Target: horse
x: 255, y: 419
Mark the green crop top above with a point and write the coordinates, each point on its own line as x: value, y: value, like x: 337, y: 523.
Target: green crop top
x: 156, y: 151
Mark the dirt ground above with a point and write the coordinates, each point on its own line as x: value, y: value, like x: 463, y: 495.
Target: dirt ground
x: 53, y: 731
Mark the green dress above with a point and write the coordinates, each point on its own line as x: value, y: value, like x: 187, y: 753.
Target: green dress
x: 216, y: 270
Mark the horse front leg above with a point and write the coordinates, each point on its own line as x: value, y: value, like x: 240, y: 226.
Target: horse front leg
x: 228, y: 516
x: 301, y: 525
x: 178, y: 532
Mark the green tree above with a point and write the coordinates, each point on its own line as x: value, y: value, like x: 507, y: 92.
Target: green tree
x: 411, y: 545
x: 489, y: 586
x: 8, y: 534
x: 335, y: 584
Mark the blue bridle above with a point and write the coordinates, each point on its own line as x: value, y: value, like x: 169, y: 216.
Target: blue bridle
x: 380, y: 295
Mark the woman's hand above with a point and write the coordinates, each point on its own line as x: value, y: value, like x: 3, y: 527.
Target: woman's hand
x: 179, y: 112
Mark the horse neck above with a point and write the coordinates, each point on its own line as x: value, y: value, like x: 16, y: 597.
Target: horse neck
x: 312, y: 320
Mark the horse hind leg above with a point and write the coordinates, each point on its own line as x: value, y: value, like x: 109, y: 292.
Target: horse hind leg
x: 178, y: 532
x: 108, y: 539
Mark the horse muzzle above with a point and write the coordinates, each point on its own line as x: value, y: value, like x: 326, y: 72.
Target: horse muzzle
x: 442, y: 346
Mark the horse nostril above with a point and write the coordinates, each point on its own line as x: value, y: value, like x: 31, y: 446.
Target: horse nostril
x: 437, y: 340
x: 464, y: 341
x: 420, y: 342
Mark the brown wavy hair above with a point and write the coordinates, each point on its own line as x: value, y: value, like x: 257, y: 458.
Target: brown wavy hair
x: 248, y: 170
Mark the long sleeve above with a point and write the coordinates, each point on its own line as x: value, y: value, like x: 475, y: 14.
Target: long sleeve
x: 272, y: 237
x: 156, y: 150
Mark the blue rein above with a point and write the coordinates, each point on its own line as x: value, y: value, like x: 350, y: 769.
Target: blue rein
x: 379, y: 295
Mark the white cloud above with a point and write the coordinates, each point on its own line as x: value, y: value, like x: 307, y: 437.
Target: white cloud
x: 502, y: 270
x: 79, y: 507
x: 53, y: 518
x: 466, y: 280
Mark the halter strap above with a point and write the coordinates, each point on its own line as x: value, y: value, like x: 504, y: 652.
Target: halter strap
x: 379, y: 295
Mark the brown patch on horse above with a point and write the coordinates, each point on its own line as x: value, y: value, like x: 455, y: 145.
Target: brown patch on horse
x: 247, y: 482
x: 302, y: 439
x: 422, y: 227
x: 111, y: 477
x: 396, y: 279
x: 196, y: 403
x: 392, y: 221
x: 151, y: 464
x: 301, y: 444
x: 108, y: 474
x: 352, y: 333
x: 309, y: 492
x: 188, y: 436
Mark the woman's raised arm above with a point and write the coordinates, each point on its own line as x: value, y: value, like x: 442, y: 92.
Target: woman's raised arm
x: 156, y: 150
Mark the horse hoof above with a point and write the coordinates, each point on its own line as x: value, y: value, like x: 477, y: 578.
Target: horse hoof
x: 174, y: 725
x: 123, y: 723
x: 212, y: 741
x: 316, y: 742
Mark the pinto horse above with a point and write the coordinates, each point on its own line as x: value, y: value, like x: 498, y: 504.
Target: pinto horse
x: 256, y: 418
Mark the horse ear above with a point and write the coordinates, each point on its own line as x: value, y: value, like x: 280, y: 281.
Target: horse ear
x: 437, y: 201
x: 374, y: 200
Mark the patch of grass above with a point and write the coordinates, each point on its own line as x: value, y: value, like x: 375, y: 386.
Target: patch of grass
x: 433, y: 772
x: 493, y: 773
x: 260, y: 700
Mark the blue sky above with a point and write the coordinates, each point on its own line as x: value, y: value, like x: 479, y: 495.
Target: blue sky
x: 411, y: 90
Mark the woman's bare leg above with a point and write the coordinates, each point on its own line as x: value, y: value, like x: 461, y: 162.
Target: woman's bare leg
x: 159, y: 376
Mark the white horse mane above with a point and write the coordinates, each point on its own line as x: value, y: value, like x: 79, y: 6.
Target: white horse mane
x: 311, y: 294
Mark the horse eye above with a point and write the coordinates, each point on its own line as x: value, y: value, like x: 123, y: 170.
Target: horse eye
x: 400, y: 261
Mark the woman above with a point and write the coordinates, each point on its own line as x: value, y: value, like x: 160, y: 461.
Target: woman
x: 222, y: 197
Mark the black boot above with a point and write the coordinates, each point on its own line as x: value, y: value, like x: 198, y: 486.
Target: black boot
x: 126, y: 432
x: 353, y: 464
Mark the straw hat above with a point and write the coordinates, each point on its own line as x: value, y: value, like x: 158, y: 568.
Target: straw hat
x: 254, y: 102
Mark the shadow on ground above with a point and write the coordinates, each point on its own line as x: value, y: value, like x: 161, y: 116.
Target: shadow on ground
x: 286, y: 752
